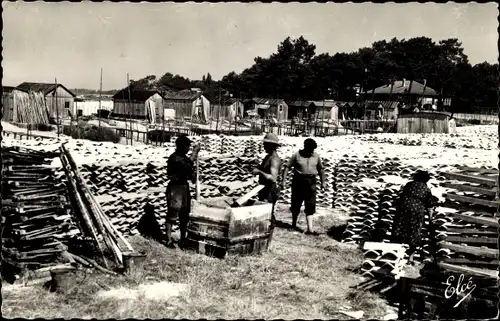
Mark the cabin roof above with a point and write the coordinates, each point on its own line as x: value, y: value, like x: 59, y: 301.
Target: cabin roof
x: 41, y: 87
x: 135, y: 94
x: 267, y: 101
x: 402, y: 87
x: 183, y: 95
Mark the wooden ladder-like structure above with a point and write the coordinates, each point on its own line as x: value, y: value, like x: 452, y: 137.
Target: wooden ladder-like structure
x: 477, y: 207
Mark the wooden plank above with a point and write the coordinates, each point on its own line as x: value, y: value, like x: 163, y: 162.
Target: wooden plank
x: 469, y: 270
x: 466, y: 208
x: 472, y: 240
x: 472, y: 231
x: 478, y: 251
x: 460, y: 261
x: 477, y: 170
x: 471, y: 179
x: 242, y: 200
x: 469, y: 188
x: 477, y: 220
x: 471, y: 200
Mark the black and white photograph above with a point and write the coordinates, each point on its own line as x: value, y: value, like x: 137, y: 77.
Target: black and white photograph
x: 250, y: 160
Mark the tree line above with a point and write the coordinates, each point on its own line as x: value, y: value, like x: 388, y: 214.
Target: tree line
x: 296, y: 72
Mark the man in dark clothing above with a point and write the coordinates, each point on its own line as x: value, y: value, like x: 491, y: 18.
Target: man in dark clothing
x: 306, y: 165
x: 180, y: 169
x: 268, y: 172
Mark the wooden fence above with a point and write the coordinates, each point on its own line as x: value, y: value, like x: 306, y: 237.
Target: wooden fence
x: 481, y: 117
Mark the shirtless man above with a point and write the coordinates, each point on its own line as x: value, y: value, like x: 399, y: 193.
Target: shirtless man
x: 306, y: 165
x: 268, y: 172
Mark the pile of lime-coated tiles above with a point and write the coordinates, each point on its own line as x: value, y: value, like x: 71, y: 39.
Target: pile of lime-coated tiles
x: 38, y: 221
x: 382, y: 259
x: 477, y: 137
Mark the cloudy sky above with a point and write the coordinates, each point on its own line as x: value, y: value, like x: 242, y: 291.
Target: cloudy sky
x: 72, y: 41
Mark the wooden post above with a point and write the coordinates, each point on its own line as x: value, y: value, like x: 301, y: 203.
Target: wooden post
x: 57, y: 109
x: 100, y: 98
x: 423, y: 93
x: 129, y: 107
x: 218, y: 110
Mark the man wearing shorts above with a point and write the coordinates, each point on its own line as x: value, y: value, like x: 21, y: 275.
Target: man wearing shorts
x: 180, y: 170
x: 306, y: 165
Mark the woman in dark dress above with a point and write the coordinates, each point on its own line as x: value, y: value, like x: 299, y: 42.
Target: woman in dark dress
x: 414, y: 202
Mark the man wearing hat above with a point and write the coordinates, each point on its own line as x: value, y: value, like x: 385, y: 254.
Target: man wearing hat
x: 306, y: 165
x: 268, y: 171
x: 180, y: 169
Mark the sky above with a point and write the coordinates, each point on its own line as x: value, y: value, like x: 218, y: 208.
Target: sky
x: 73, y: 41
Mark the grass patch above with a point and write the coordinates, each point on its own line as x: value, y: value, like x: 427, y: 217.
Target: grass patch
x: 303, y: 277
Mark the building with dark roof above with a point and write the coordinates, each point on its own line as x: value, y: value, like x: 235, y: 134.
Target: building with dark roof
x: 59, y: 100
x: 382, y: 108
x: 400, y: 89
x: 138, y: 104
x: 229, y: 108
x: 268, y: 108
x: 188, y: 103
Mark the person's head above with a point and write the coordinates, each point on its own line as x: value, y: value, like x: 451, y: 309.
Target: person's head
x: 421, y: 176
x: 271, y: 143
x: 182, y: 144
x: 310, y: 145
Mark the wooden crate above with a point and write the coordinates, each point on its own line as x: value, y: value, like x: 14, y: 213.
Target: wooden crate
x: 221, y: 231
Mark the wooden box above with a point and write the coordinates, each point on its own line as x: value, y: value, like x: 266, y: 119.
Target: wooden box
x: 219, y: 231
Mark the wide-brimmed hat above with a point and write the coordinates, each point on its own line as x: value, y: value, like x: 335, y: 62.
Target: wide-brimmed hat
x: 271, y: 138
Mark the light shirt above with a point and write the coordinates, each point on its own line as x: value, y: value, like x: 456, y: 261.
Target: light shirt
x: 305, y: 165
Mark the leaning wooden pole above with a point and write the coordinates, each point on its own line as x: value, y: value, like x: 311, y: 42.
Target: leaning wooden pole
x: 57, y: 108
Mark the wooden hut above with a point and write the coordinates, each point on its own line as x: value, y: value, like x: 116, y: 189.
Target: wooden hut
x: 228, y: 110
x: 188, y: 103
x: 423, y: 123
x: 326, y: 109
x: 268, y: 108
x: 138, y: 104
x: 299, y: 109
x: 382, y: 109
x: 349, y: 110
x: 59, y: 100
x: 10, y: 102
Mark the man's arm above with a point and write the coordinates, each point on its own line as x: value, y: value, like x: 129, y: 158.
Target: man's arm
x: 275, y: 168
x: 287, y: 166
x: 321, y: 172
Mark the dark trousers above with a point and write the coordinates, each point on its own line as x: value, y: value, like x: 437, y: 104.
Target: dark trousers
x: 303, y: 191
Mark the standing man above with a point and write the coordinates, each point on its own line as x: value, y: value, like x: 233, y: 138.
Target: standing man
x: 268, y: 172
x: 180, y: 170
x: 306, y: 165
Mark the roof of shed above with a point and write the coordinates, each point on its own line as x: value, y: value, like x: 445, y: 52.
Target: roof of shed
x: 346, y: 104
x: 300, y: 103
x: 9, y: 89
x: 183, y: 95
x: 267, y: 101
x: 230, y: 101
x: 402, y: 87
x: 324, y: 103
x: 135, y: 94
x: 384, y: 103
x: 41, y: 87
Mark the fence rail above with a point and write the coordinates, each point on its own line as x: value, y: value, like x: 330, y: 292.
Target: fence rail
x: 482, y: 117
